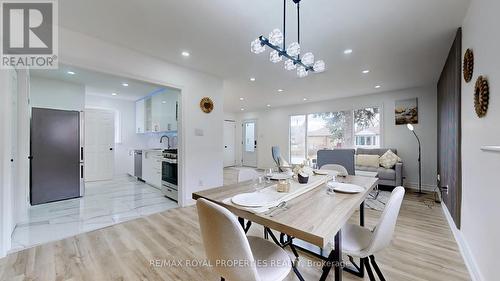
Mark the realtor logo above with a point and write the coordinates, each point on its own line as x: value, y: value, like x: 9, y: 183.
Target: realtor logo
x: 29, y: 34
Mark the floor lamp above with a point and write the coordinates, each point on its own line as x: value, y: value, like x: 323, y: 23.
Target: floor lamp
x: 410, y: 127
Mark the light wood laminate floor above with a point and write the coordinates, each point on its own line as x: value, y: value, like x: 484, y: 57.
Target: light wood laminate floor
x: 161, y: 246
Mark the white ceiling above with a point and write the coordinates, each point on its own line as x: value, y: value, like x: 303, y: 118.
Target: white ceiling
x: 100, y: 84
x: 403, y: 42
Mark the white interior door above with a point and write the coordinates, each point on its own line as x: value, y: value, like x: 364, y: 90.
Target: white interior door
x: 249, y: 156
x: 99, y: 144
x: 229, y: 135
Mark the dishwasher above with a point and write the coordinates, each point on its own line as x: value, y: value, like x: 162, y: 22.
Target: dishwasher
x: 138, y: 164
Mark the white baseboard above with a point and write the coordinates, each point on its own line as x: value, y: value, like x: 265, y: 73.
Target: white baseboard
x: 469, y: 260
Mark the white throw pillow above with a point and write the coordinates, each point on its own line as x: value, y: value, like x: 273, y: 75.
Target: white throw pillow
x: 368, y: 160
x: 389, y: 159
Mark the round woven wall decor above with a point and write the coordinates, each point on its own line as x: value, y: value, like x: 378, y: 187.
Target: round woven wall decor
x: 481, y: 96
x: 206, y: 104
x: 468, y: 65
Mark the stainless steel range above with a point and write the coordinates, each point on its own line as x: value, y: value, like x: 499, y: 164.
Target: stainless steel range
x: 169, y: 174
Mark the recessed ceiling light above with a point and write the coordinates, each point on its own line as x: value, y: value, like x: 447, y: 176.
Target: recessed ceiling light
x: 304, y: 99
x: 268, y: 105
x: 252, y: 79
x: 71, y: 72
x: 163, y: 102
x: 242, y: 98
x: 348, y: 51
x: 280, y: 90
x: 185, y: 54
x: 242, y: 109
x: 125, y: 84
x: 378, y: 87
x: 366, y: 71
x: 114, y: 94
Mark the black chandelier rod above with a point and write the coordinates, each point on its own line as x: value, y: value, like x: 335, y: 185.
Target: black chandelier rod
x: 284, y: 24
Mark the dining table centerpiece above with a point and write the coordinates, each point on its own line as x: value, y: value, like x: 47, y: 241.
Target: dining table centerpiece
x: 303, y: 172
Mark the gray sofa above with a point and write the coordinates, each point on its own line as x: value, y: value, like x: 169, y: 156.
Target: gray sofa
x: 389, y: 177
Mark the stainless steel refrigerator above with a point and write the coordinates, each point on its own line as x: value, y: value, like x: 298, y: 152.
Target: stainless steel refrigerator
x: 56, y: 166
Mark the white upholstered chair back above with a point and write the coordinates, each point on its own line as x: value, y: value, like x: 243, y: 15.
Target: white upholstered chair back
x: 384, y: 231
x: 342, y: 171
x: 225, y: 241
x: 247, y: 174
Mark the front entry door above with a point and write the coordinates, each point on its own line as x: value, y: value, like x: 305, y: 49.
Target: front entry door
x: 99, y: 144
x: 449, y: 131
x: 229, y: 133
x: 249, y: 143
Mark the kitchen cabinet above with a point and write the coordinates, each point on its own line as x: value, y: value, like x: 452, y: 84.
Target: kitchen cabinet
x: 158, y: 112
x: 151, y: 167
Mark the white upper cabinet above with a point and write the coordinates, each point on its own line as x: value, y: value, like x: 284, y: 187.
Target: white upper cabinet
x: 158, y: 113
x: 140, y: 122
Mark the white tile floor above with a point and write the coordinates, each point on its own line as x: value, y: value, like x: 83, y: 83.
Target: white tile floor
x: 105, y: 203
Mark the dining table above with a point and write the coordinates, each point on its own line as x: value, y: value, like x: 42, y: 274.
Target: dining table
x: 315, y: 217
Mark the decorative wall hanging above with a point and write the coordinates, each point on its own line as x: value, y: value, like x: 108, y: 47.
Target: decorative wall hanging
x: 406, y: 111
x: 206, y: 104
x: 481, y: 96
x: 468, y: 65
x: 292, y: 54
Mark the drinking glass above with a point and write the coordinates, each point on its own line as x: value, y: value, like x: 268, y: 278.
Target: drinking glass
x: 268, y: 173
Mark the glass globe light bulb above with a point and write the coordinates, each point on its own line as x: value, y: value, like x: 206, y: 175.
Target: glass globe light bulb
x: 256, y: 47
x: 275, y: 57
x: 276, y: 37
x: 302, y: 72
x: 319, y: 66
x: 293, y: 49
x: 289, y: 65
x: 308, y: 59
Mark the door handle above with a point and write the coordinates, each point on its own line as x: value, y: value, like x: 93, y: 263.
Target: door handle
x: 444, y: 189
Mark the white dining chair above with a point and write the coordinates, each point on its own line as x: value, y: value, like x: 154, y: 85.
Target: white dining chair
x: 342, y: 171
x: 363, y: 243
x: 246, y: 174
x: 226, y: 243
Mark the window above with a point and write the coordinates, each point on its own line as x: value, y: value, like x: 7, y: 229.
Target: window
x: 297, y: 139
x: 367, y: 127
x: 329, y: 130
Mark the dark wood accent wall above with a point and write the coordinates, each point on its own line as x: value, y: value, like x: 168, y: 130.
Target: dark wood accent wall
x: 449, y: 91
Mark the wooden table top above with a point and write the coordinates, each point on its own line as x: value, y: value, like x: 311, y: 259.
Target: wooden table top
x: 314, y: 217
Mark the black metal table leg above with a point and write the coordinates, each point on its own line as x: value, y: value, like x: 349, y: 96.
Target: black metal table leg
x: 242, y: 223
x: 338, y: 256
x: 362, y: 214
x: 334, y: 259
x: 362, y: 223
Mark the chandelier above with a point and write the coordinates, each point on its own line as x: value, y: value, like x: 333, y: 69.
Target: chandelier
x: 293, y: 59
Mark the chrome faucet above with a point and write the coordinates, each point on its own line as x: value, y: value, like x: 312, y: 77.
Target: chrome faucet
x: 168, y: 140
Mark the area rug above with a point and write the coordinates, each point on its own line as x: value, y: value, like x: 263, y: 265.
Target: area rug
x: 377, y: 203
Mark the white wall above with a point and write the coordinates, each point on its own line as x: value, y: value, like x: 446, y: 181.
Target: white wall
x: 480, y: 187
x: 273, y: 126
x: 201, y: 157
x: 57, y: 94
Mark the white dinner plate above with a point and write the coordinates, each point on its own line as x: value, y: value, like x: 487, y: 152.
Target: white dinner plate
x: 346, y: 187
x: 255, y: 199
